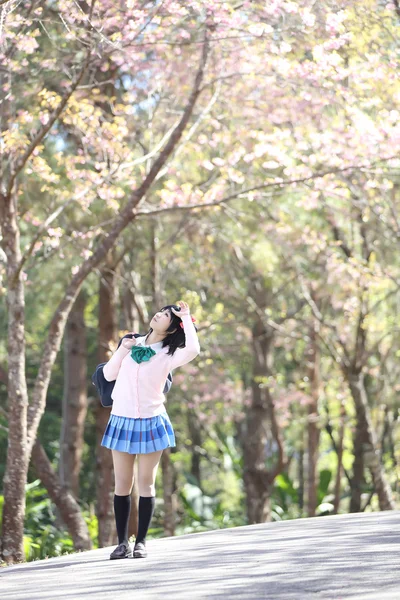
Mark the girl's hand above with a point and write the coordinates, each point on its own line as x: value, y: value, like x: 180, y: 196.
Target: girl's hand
x: 184, y: 306
x: 128, y: 343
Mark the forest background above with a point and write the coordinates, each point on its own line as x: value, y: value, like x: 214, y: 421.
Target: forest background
x: 243, y: 157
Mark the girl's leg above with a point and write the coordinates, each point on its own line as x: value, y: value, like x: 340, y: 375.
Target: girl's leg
x: 123, y: 471
x: 147, y: 471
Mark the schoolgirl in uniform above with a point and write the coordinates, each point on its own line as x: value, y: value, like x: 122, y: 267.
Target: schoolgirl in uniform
x: 138, y: 423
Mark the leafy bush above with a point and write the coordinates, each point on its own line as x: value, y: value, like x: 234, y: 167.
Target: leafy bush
x: 43, y: 538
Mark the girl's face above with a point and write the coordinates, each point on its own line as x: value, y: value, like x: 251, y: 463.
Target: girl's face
x: 161, y: 321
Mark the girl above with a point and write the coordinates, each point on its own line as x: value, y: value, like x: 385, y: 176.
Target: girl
x: 138, y: 422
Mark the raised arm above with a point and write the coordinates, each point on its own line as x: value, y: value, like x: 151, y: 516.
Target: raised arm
x: 111, y: 368
x: 182, y: 356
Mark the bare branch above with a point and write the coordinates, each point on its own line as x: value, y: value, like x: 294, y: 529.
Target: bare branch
x: 269, y: 184
x: 329, y: 345
x: 153, y: 152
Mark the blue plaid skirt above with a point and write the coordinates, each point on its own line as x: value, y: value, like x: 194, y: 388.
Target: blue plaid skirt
x: 139, y: 436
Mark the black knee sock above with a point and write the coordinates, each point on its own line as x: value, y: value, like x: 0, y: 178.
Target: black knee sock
x: 146, y: 511
x: 122, y: 508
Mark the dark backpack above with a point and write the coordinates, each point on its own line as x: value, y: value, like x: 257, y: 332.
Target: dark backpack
x: 104, y: 388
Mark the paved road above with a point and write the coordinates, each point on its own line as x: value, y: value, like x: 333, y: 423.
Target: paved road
x: 342, y: 557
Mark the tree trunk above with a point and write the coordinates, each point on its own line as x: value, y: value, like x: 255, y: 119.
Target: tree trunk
x: 167, y: 469
x: 301, y: 477
x: 108, y: 334
x: 74, y: 406
x: 195, y: 438
x: 358, y: 479
x: 336, y: 500
x: 368, y: 440
x: 258, y: 446
x: 17, y: 461
x: 105, y: 482
x: 62, y: 497
x: 312, y: 424
x: 392, y: 444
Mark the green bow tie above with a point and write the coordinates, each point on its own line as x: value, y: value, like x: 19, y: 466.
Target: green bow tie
x: 142, y: 353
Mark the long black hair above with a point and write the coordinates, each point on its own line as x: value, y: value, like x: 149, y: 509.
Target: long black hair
x: 173, y: 339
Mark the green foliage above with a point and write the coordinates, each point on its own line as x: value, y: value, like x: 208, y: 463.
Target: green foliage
x: 285, y: 493
x: 325, y: 477
x: 42, y: 537
x: 285, y: 497
x: 203, y: 512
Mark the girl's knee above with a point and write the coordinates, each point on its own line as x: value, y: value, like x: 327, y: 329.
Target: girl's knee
x: 147, y: 489
x: 123, y: 487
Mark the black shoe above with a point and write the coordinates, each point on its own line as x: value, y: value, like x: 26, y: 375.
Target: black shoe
x: 122, y: 551
x: 139, y: 550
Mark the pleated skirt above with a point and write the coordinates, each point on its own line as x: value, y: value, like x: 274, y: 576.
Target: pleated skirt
x: 139, y: 436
